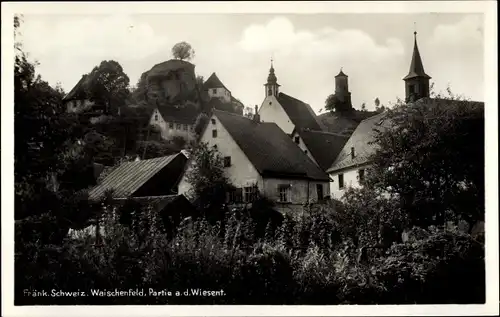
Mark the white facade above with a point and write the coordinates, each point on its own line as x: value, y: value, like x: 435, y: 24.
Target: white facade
x: 272, y: 111
x: 171, y: 129
x: 344, y: 179
x: 221, y: 93
x: 289, y: 194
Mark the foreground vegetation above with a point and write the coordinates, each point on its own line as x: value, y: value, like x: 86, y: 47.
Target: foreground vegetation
x: 409, y: 236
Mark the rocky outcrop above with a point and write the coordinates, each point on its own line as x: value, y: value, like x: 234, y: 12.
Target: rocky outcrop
x: 169, y: 83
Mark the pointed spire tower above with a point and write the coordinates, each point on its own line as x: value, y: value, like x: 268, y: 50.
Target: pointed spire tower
x: 417, y: 81
x: 272, y: 86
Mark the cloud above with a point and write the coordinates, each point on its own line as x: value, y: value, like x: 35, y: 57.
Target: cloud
x: 69, y: 46
x: 467, y: 32
x: 306, y: 61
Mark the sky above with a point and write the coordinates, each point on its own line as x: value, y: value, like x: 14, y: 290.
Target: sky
x: 308, y: 50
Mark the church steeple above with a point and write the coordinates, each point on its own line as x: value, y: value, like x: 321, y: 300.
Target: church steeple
x: 417, y: 81
x: 272, y: 86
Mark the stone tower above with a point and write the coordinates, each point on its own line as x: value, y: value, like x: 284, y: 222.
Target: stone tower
x: 417, y: 81
x: 342, y: 93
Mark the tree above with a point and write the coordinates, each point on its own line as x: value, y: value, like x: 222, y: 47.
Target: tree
x: 209, y: 184
x: 248, y: 112
x: 183, y: 51
x: 431, y: 159
x: 378, y: 107
x: 332, y: 103
x: 363, y: 106
x: 201, y: 122
x: 179, y: 142
x: 109, y: 86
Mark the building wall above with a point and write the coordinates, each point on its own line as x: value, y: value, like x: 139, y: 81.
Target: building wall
x: 171, y: 129
x: 241, y: 172
x: 222, y: 93
x: 303, y: 146
x: 351, y: 179
x: 272, y: 111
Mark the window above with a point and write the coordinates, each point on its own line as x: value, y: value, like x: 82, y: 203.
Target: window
x: 341, y: 181
x: 179, y: 126
x: 227, y: 161
x: 361, y: 175
x: 171, y: 125
x: 214, y: 133
x: 191, y: 128
x: 284, y: 193
x: 353, y: 154
x: 297, y: 139
x: 185, y: 126
x: 213, y: 121
x: 319, y: 191
x: 269, y: 92
x: 413, y: 89
x: 235, y: 195
x: 214, y: 91
x: 250, y: 193
x: 156, y: 117
x: 305, y: 151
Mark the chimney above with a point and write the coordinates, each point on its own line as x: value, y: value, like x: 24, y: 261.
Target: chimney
x: 256, y: 116
x: 353, y: 155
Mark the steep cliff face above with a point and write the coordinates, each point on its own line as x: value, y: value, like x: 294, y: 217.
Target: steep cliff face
x: 169, y: 83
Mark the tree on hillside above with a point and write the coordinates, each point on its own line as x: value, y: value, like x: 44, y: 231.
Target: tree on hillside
x: 378, y: 108
x: 432, y: 160
x: 332, y: 103
x: 109, y: 86
x: 363, y: 106
x: 248, y: 112
x: 183, y: 51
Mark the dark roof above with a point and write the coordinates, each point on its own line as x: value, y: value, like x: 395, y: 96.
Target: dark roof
x: 213, y: 82
x: 324, y: 146
x: 360, y: 140
x: 179, y: 113
x: 237, y: 102
x: 364, y: 133
x: 129, y: 177
x: 342, y: 122
x: 156, y: 202
x: 162, y: 69
x: 416, y: 66
x: 271, y: 151
x: 79, y: 91
x: 217, y: 103
x: 301, y: 114
x: 341, y: 74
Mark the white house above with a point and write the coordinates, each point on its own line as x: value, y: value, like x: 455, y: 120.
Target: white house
x: 221, y: 98
x: 349, y: 168
x: 287, y: 112
x: 175, y: 121
x: 260, y: 155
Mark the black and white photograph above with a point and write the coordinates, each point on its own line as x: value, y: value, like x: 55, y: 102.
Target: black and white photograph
x: 310, y: 158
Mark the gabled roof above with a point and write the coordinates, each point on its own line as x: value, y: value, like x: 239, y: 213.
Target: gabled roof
x: 342, y: 122
x: 271, y: 151
x: 324, y: 146
x: 156, y: 202
x: 79, y: 90
x: 129, y: 177
x: 364, y: 134
x: 301, y: 114
x: 416, y: 66
x: 185, y: 114
x: 361, y: 141
x: 213, y: 82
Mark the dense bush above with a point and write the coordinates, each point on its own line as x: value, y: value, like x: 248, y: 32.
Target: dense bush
x: 288, y: 265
